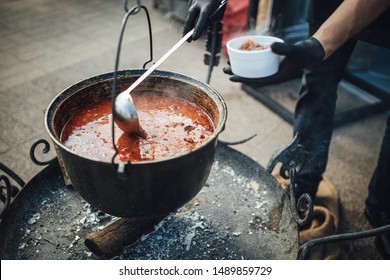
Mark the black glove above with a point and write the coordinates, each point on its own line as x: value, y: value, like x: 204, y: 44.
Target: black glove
x: 296, y: 57
x: 198, y: 16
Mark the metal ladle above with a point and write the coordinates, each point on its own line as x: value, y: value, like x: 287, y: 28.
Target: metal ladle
x: 125, y: 113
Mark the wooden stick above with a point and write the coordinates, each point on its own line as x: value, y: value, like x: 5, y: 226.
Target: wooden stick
x: 110, y: 241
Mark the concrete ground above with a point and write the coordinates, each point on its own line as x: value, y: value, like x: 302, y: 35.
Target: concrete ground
x: 48, y: 45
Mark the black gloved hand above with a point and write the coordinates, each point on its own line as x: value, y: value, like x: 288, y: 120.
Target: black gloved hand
x: 296, y: 57
x: 198, y: 16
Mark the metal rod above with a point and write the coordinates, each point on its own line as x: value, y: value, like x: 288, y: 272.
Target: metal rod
x: 158, y: 63
x: 8, y: 193
x: 12, y: 174
x: 45, y: 150
x: 305, y: 248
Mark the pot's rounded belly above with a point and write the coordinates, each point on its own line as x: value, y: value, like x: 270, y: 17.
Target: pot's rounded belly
x: 173, y: 127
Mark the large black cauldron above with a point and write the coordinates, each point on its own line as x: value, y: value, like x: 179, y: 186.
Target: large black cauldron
x: 145, y: 189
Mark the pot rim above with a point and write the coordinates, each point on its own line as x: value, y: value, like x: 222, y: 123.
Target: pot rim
x: 136, y: 72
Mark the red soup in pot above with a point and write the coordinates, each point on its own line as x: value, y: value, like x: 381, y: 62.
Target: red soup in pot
x: 173, y: 127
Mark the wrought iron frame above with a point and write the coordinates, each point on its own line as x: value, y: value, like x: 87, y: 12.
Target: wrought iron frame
x: 292, y: 159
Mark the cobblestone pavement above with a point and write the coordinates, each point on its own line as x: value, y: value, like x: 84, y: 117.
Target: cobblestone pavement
x: 48, y: 45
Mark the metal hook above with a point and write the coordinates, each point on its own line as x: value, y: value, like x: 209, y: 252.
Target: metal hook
x: 45, y: 150
x: 292, y: 156
x: 293, y: 159
x: 135, y: 10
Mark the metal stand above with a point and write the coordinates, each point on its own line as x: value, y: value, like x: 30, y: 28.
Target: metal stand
x: 292, y: 159
x: 11, y: 184
x: 8, y: 191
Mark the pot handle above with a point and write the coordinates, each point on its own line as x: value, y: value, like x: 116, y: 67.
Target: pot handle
x: 133, y: 11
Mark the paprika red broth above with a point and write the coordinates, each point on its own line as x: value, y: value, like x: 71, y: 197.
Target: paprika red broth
x: 173, y: 127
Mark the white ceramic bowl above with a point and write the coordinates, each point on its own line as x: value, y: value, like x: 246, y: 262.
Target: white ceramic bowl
x: 255, y: 63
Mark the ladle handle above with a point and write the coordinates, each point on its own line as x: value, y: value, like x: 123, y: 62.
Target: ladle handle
x: 168, y: 53
x: 221, y: 6
x: 161, y: 60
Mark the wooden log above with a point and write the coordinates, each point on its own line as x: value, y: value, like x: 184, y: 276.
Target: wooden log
x: 110, y: 241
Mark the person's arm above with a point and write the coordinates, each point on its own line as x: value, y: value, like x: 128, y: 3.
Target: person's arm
x: 348, y: 19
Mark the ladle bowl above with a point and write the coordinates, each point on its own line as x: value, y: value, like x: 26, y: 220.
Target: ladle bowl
x: 125, y: 114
